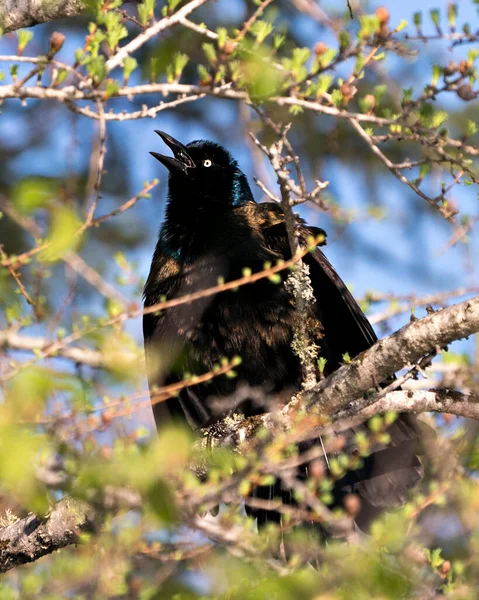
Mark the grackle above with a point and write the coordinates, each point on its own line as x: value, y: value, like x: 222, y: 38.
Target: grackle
x: 214, y: 229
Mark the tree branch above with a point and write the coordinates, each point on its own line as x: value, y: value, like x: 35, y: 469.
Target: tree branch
x: 15, y: 14
x: 442, y: 401
x: 405, y: 347
x: 41, y: 345
x: 28, y: 539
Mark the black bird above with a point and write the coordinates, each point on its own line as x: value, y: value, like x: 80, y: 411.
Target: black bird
x: 213, y: 228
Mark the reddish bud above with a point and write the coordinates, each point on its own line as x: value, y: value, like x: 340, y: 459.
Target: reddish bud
x: 316, y: 469
x: 56, y: 43
x: 370, y: 102
x: 229, y: 47
x: 451, y: 68
x: 348, y: 91
x: 382, y: 14
x: 465, y: 92
x: 320, y: 48
x: 445, y: 568
x: 352, y: 504
x: 465, y: 67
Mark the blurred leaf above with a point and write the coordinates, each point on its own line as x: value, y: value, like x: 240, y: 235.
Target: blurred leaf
x: 62, y: 236
x: 32, y: 193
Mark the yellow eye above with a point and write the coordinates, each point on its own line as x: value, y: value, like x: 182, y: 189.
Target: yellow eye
x: 207, y: 163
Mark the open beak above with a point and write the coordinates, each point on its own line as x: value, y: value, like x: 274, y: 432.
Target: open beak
x: 182, y: 161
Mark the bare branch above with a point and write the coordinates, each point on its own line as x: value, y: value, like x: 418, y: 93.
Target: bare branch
x: 417, y: 401
x: 405, y: 347
x: 40, y: 345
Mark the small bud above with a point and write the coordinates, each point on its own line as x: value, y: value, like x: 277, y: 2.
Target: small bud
x: 465, y: 67
x: 465, y: 92
x: 369, y: 102
x: 320, y: 48
x: 106, y: 417
x: 382, y: 14
x: 56, y: 42
x: 317, y: 470
x: 445, y: 568
x: 352, y: 504
x: 451, y: 68
x: 348, y: 91
x: 229, y: 47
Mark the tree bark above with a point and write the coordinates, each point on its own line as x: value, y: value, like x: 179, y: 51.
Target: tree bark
x: 15, y: 14
x: 28, y: 539
x: 405, y: 347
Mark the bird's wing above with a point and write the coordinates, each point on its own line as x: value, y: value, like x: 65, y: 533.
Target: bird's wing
x: 392, y: 469
x: 160, y: 339
x: 165, y: 334
x: 346, y: 327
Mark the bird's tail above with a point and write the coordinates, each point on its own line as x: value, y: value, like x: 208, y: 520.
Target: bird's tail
x: 382, y: 482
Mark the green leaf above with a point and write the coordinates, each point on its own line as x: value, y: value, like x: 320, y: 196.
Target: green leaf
x: 337, y: 98
x: 424, y: 170
x: 369, y: 26
x: 96, y: 68
x: 210, y: 53
x: 260, y: 30
x: 379, y: 92
x: 61, y: 75
x: 111, y: 88
x: 258, y: 75
x: 296, y: 64
x: 222, y: 36
x: 146, y: 11
x: 295, y: 109
x: 324, y: 83
x: 436, y: 73
x: 452, y: 14
x: 115, y: 31
x: 180, y: 61
x: 278, y: 41
x: 435, y: 18
x: 471, y: 127
x: 129, y: 65
x: 375, y: 424
x: 203, y: 74
x: 62, y: 236
x: 344, y: 40
x: 439, y: 118
x: 32, y: 193
x: 24, y: 36
x: 172, y: 4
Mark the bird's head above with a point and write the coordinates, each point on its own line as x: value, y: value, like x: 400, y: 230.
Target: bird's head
x: 204, y: 171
